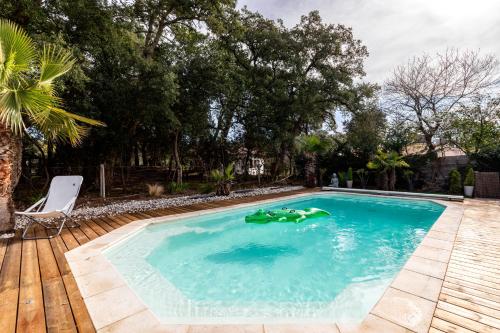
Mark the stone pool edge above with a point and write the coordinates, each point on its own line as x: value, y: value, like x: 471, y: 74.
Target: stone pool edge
x: 407, y: 304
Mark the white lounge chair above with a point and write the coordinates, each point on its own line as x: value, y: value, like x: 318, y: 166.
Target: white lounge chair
x: 58, y: 204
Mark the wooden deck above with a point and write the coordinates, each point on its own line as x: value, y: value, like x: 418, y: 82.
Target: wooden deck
x: 38, y: 292
x: 470, y: 296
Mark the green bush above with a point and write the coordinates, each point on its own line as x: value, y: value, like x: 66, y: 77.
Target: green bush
x: 469, y: 177
x: 455, y: 182
x: 206, y: 188
x: 349, y: 174
x: 174, y: 188
x: 341, y: 178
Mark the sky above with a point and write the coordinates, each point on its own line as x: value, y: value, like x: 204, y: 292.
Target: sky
x: 396, y: 30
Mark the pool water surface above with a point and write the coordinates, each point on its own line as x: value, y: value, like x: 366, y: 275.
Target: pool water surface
x: 217, y: 268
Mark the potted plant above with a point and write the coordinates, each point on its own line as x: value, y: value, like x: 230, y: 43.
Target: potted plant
x: 469, y: 182
x: 349, y: 177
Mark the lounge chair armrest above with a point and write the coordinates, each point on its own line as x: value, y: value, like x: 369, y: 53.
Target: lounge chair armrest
x: 69, y: 206
x: 36, y: 204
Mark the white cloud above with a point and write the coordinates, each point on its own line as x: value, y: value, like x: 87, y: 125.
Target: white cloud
x: 396, y: 30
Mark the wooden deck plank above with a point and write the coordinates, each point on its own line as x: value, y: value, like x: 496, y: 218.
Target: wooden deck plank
x: 470, y: 314
x: 464, y: 322
x: 9, y: 286
x: 80, y: 312
x: 447, y: 327
x: 79, y: 235
x: 3, y: 249
x: 469, y: 265
x: 110, y: 222
x: 96, y: 227
x: 88, y: 231
x: 69, y: 240
x: 144, y: 215
x: 465, y: 304
x: 58, y: 314
x: 103, y: 224
x: 130, y: 217
x: 31, y: 313
x: 471, y: 291
x: 475, y: 273
x: 118, y: 220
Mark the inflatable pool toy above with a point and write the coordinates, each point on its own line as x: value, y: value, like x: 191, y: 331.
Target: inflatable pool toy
x: 285, y: 215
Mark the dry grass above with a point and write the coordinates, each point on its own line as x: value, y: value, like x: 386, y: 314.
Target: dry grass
x: 155, y: 190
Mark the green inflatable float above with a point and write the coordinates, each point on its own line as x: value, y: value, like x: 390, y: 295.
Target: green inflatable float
x: 285, y: 215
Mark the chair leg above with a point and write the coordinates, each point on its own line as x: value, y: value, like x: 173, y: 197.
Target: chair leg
x: 59, y: 229
x: 26, y: 228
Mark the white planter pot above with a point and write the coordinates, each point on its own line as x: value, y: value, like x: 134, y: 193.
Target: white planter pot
x: 468, y: 190
x: 349, y: 184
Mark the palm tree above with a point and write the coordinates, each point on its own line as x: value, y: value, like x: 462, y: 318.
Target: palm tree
x: 223, y: 179
x: 386, y: 164
x: 28, y: 100
x: 311, y: 146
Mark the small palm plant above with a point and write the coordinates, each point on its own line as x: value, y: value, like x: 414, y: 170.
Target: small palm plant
x: 28, y: 100
x: 386, y: 164
x: 363, y: 177
x: 223, y: 179
x: 311, y: 146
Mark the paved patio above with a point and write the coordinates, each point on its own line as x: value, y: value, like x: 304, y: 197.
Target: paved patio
x: 38, y: 292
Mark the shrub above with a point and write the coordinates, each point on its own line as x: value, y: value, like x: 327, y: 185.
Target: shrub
x: 223, y: 179
x: 174, y: 187
x: 206, y: 188
x: 155, y: 190
x: 363, y: 177
x: 341, y: 178
x: 469, y: 177
x: 455, y: 182
x: 349, y: 174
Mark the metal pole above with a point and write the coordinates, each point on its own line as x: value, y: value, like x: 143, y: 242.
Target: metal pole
x: 102, y: 181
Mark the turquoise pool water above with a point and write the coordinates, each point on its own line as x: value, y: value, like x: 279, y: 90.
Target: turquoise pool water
x: 217, y: 268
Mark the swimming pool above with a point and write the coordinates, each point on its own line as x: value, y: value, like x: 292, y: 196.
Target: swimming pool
x: 217, y: 268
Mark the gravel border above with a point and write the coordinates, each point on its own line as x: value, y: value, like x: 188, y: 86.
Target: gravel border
x: 128, y: 206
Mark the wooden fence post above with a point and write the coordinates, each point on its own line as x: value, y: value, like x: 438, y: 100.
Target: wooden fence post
x: 102, y: 181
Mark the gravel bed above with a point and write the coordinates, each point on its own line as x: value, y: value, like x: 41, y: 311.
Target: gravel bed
x: 129, y: 206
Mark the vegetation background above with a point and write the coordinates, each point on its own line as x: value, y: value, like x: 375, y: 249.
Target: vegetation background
x: 187, y: 87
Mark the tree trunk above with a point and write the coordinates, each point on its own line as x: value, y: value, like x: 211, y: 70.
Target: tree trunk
x: 10, y: 171
x: 310, y: 170
x: 392, y: 179
x: 178, y: 166
x: 383, y: 180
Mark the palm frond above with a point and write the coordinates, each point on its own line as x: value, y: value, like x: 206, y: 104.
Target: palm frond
x: 24, y: 98
x: 58, y: 127
x: 10, y: 112
x: 17, y: 46
x: 54, y: 62
x: 74, y: 116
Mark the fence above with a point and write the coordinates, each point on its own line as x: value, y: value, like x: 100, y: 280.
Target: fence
x: 487, y: 185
